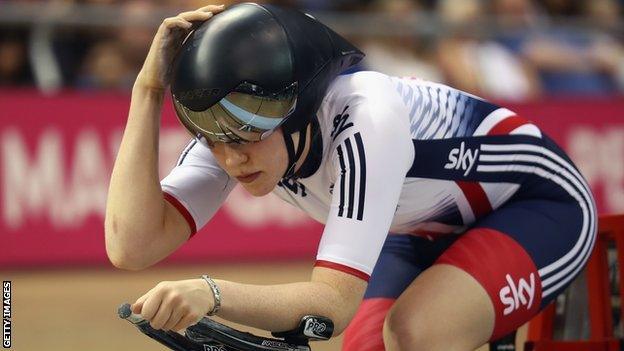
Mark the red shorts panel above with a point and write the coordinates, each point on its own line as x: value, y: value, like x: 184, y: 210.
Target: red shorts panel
x: 365, y: 332
x: 506, y: 272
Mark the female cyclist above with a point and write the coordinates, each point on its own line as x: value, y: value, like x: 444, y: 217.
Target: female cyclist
x: 488, y: 219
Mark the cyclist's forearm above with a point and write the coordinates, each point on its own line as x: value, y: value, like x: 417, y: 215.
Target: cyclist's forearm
x: 280, y: 307
x: 135, y: 206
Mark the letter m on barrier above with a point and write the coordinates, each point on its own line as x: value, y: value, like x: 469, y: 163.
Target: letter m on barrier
x: 29, y: 187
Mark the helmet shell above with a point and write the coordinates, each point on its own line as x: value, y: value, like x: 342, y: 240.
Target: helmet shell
x: 266, y: 45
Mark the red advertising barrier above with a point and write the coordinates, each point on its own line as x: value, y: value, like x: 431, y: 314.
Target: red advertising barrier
x: 592, y: 133
x: 57, y: 152
x: 56, y: 156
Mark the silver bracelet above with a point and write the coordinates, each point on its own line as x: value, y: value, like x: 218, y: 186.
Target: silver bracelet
x: 216, y: 293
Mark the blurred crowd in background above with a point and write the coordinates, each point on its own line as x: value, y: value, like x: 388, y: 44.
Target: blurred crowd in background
x: 501, y: 49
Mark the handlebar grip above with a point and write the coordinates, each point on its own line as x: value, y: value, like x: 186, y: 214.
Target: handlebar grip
x: 171, y: 339
x: 125, y: 312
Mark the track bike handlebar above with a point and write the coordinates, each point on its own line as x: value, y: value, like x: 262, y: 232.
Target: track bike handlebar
x: 209, y: 335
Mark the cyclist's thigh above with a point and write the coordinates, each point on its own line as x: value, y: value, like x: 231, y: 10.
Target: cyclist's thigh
x: 402, y: 259
x: 524, y: 254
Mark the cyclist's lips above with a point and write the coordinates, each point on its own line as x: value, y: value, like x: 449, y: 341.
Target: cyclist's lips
x: 248, y: 178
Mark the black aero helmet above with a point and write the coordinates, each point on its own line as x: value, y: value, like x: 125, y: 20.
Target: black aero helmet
x: 254, y: 68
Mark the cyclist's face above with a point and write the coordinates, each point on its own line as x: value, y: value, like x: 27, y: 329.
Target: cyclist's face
x: 257, y: 166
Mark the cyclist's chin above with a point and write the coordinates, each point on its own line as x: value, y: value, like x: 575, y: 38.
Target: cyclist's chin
x: 259, y: 187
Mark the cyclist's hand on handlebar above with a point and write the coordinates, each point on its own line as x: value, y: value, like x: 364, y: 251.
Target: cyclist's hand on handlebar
x: 156, y: 71
x: 175, y: 305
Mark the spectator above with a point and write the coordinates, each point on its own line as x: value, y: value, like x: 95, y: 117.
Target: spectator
x: 402, y: 56
x: 14, y: 69
x: 530, y: 55
x: 135, y: 36
x: 603, y: 13
x: 480, y: 66
x: 105, y: 68
x: 562, y: 8
x: 569, y: 60
x: 573, y: 62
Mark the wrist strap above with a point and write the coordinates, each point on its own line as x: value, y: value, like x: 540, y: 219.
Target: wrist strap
x: 216, y: 293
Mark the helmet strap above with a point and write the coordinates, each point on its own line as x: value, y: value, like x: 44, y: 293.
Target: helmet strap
x: 294, y: 154
x: 291, y: 155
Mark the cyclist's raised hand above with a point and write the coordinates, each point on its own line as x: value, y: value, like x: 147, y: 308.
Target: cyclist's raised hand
x: 175, y: 305
x: 156, y: 70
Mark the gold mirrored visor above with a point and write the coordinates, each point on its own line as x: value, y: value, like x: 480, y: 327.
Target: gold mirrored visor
x: 239, y: 117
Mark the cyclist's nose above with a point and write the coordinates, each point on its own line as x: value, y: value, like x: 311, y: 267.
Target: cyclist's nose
x: 234, y: 156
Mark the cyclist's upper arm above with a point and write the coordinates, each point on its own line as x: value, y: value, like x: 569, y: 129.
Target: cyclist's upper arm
x: 195, y: 189
x: 175, y: 232
x: 192, y: 192
x: 371, y: 156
